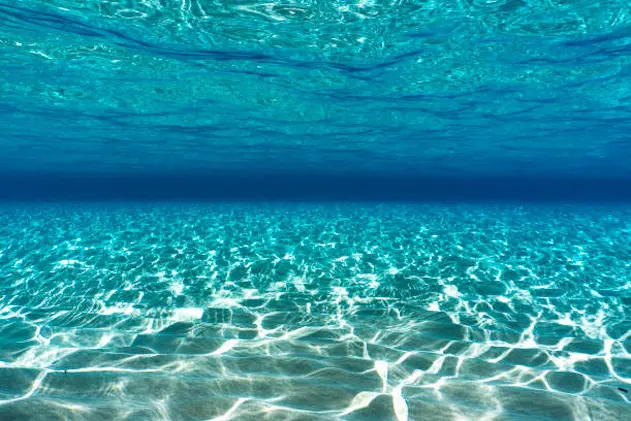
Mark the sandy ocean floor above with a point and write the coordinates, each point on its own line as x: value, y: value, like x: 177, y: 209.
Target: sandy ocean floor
x: 314, y: 312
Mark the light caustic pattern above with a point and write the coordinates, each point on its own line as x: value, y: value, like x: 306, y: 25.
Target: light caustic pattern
x: 312, y: 312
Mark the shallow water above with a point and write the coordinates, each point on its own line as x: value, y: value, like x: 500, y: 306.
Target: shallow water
x: 314, y: 312
x: 438, y: 87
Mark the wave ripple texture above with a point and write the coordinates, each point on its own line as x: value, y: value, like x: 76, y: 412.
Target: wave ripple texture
x: 313, y: 312
x: 437, y: 87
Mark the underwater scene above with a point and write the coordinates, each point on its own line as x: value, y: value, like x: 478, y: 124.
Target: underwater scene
x: 314, y: 312
x: 387, y: 210
x: 439, y: 87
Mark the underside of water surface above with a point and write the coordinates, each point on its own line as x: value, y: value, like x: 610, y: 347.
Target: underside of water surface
x: 463, y: 87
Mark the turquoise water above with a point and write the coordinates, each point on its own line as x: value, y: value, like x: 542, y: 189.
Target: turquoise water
x: 463, y: 87
x: 314, y: 312
x: 315, y: 210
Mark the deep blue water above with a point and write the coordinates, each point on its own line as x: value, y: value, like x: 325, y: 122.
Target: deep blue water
x: 315, y: 210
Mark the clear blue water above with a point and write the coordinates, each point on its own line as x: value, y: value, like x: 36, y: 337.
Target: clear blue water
x: 315, y: 210
x: 314, y: 312
x: 464, y: 87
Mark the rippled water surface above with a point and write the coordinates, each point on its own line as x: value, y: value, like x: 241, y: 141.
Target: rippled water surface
x: 432, y: 86
x: 314, y: 312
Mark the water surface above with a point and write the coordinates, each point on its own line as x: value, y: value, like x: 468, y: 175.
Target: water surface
x: 463, y: 87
